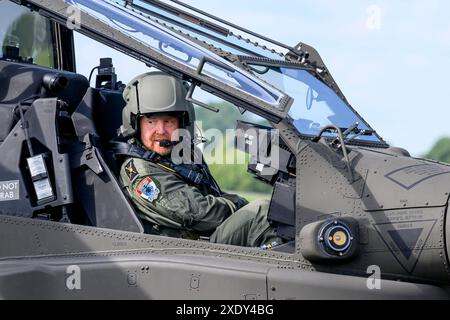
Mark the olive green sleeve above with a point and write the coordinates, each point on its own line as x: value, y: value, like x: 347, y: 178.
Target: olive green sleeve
x: 177, y: 204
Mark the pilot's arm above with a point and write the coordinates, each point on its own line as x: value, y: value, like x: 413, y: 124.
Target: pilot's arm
x: 165, y: 199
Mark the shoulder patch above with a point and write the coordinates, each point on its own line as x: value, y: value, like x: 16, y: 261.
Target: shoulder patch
x: 148, y: 189
x: 131, y: 171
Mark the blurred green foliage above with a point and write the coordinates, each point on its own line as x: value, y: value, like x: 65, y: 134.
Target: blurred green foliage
x: 234, y: 177
x: 440, y: 150
x: 231, y: 177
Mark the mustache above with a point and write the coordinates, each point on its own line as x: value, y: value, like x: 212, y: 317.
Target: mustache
x: 165, y: 137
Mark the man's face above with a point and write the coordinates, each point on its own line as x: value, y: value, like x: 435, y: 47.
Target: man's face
x: 155, y: 129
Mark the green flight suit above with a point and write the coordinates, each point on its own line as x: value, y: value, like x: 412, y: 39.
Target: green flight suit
x: 169, y: 206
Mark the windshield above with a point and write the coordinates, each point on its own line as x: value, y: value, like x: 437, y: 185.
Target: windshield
x: 315, y: 104
x: 180, y: 50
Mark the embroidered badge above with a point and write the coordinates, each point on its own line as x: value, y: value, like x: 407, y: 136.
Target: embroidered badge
x: 130, y: 170
x: 147, y: 189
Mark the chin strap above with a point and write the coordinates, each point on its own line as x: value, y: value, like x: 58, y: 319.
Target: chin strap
x: 193, y: 174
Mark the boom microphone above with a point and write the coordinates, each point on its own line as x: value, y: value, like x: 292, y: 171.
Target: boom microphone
x: 167, y: 143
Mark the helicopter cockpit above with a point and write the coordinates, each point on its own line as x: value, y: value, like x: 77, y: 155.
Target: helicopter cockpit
x: 87, y: 118
x: 56, y: 164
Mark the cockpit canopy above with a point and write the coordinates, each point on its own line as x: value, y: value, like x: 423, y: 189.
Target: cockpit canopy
x: 253, y: 72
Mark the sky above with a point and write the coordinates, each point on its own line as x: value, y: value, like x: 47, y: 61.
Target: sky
x: 391, y: 59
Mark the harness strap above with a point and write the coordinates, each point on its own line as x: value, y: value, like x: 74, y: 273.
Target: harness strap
x: 194, y: 174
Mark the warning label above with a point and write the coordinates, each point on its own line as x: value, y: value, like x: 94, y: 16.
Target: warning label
x: 9, y: 190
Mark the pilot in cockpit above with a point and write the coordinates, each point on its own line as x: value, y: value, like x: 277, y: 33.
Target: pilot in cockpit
x: 179, y: 200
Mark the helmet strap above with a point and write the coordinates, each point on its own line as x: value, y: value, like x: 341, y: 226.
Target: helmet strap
x: 133, y: 120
